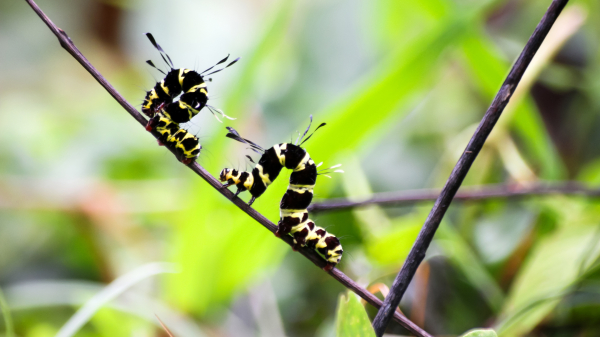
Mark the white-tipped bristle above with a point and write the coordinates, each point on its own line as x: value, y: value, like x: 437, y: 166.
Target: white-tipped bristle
x: 224, y: 115
x: 334, y: 166
x: 324, y: 175
x: 339, y: 171
x: 321, y: 163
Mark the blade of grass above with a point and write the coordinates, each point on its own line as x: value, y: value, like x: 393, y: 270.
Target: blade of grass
x: 8, y: 322
x: 114, y: 289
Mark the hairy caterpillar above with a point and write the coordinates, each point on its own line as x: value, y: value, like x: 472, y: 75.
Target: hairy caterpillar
x: 293, y: 206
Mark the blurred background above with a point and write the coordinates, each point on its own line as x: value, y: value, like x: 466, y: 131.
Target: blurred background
x: 93, y: 211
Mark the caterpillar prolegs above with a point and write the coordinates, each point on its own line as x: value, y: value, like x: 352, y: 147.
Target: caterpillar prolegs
x: 186, y: 146
x: 293, y: 206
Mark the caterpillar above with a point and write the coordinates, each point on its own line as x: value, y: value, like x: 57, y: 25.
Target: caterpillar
x: 189, y: 83
x: 294, y: 219
x: 186, y: 146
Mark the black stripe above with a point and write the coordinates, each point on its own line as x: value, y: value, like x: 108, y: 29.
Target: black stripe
x: 286, y: 223
x: 189, y: 143
x: 243, y: 177
x: 270, y: 164
x: 308, y: 176
x: 172, y: 83
x: 293, y: 155
x: 195, y: 99
x: 177, y: 114
x: 258, y: 186
x: 300, y: 237
x: 294, y: 200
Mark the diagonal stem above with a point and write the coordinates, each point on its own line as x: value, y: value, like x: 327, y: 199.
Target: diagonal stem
x: 459, y: 172
x: 347, y: 282
x: 471, y: 193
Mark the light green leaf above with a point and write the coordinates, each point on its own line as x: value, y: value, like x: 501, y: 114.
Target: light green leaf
x: 352, y: 319
x: 10, y: 332
x: 481, y: 333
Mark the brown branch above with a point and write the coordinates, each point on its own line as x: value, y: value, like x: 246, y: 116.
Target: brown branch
x: 68, y: 45
x: 417, y: 253
x: 471, y: 193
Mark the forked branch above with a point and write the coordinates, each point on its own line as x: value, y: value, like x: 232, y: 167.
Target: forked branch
x: 68, y: 45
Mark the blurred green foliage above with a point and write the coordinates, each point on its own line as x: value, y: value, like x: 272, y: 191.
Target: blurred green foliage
x: 352, y: 320
x: 86, y: 195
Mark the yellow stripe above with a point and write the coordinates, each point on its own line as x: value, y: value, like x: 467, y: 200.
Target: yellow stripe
x: 165, y: 89
x: 263, y: 176
x: 299, y: 228
x: 292, y: 213
x: 303, y: 162
x: 198, y: 86
x: 182, y: 72
x: 301, y: 190
x: 249, y: 181
x: 278, y: 149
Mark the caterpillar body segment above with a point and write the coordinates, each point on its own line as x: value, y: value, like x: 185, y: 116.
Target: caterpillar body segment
x: 163, y: 93
x: 193, y: 99
x: 185, y: 145
x: 307, y: 234
x: 189, y: 83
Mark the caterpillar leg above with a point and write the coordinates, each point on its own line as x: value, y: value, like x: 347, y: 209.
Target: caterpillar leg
x: 227, y: 184
x: 329, y: 266
x: 152, y: 124
x: 251, y: 201
x: 237, y: 192
x: 187, y: 161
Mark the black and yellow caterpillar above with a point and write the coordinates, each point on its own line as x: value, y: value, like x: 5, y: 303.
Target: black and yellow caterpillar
x: 186, y: 146
x: 189, y: 83
x: 293, y: 206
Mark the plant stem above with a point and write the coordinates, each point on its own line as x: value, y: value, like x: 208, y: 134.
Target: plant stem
x: 417, y: 253
x: 471, y: 193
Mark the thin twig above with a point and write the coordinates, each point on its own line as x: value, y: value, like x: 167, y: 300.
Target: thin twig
x: 68, y: 45
x: 471, y: 193
x: 459, y: 172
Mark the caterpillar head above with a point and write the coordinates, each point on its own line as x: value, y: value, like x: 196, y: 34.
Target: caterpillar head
x: 225, y: 175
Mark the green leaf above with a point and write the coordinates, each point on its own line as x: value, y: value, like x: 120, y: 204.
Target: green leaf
x: 481, y: 333
x: 555, y: 265
x: 352, y: 319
